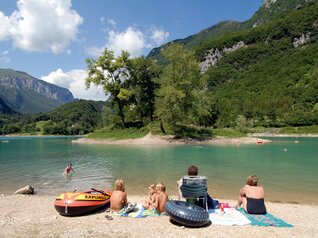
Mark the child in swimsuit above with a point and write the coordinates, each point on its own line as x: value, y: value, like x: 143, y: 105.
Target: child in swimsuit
x: 252, y: 197
x: 149, y: 201
x: 118, y: 198
x: 161, y: 198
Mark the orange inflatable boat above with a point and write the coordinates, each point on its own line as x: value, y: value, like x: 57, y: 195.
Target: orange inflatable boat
x: 79, y: 203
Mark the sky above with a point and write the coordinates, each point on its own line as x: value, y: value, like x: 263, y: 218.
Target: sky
x: 50, y: 39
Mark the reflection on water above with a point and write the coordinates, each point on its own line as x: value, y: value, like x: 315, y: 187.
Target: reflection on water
x: 287, y: 169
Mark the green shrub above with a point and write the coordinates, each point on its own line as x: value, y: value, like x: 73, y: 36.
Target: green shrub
x: 119, y: 133
x: 192, y: 131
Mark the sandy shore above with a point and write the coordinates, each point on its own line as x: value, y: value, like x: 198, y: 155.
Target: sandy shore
x: 35, y: 216
x: 166, y: 140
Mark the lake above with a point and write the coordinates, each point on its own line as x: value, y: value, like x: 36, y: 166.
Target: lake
x: 286, y: 167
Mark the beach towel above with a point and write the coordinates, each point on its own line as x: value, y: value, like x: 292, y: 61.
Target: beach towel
x: 138, y: 212
x: 230, y: 217
x: 264, y: 220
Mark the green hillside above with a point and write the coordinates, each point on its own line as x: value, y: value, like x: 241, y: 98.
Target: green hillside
x: 271, y: 10
x: 270, y: 81
x: 266, y: 13
x: 75, y: 118
x: 190, y: 42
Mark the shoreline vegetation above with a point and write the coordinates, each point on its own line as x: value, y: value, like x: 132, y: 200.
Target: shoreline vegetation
x: 150, y: 139
x: 35, y: 216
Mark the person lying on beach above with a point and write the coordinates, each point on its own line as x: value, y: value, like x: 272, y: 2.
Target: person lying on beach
x: 161, y: 198
x: 68, y: 169
x: 118, y: 198
x: 252, y: 197
x: 150, y: 199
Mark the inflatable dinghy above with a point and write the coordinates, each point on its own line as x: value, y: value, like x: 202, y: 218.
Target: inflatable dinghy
x: 79, y: 203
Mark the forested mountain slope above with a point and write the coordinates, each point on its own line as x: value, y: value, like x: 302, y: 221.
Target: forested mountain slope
x: 272, y: 78
x: 269, y: 10
x: 264, y: 69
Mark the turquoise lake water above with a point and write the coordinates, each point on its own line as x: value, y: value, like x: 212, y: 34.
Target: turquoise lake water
x: 286, y: 167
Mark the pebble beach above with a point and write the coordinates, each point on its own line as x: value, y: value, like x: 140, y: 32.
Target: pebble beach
x: 35, y: 216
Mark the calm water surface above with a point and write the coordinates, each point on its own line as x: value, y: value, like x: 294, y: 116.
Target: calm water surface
x: 287, y: 167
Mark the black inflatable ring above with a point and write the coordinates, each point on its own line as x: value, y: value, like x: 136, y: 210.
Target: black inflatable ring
x: 187, y: 214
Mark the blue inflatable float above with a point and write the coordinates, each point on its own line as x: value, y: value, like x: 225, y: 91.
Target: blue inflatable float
x: 187, y: 214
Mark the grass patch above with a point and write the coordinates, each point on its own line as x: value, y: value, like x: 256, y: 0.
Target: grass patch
x: 300, y: 130
x: 39, y: 126
x: 228, y: 132
x: 119, y: 133
x: 192, y: 131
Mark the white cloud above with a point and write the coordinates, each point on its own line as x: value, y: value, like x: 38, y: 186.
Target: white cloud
x: 132, y: 40
x: 74, y: 80
x: 158, y: 35
x: 4, y: 26
x: 102, y: 19
x: 4, y: 57
x: 95, y: 51
x: 111, y: 22
x: 41, y: 25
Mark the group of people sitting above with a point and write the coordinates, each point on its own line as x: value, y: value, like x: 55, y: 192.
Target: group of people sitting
x: 251, y: 196
x: 155, y: 200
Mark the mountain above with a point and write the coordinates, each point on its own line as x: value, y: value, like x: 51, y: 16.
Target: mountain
x: 269, y: 10
x: 26, y: 94
x: 215, y: 31
x: 265, y: 71
x: 267, y: 74
x: 4, y: 108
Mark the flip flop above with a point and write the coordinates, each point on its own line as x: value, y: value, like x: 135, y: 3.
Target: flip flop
x: 108, y: 217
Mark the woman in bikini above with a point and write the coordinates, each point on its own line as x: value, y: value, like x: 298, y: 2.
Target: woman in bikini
x: 252, y: 197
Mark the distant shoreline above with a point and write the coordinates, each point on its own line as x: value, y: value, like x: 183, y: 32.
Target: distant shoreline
x: 150, y: 139
x: 283, y: 135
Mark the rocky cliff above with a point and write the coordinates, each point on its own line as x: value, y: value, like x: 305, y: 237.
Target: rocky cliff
x: 26, y: 94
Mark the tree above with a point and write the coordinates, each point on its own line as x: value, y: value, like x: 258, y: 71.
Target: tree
x: 111, y: 73
x: 144, y: 71
x: 181, y: 95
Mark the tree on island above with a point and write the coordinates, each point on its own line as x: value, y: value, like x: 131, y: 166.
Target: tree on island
x: 182, y: 98
x: 111, y: 73
x: 129, y: 81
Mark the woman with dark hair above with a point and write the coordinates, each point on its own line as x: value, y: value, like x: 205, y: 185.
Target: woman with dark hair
x: 252, y: 197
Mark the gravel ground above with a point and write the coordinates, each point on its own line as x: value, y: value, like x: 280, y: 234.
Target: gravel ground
x: 35, y: 216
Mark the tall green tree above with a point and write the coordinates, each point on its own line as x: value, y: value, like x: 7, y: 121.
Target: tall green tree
x: 181, y: 96
x: 112, y: 74
x: 144, y: 73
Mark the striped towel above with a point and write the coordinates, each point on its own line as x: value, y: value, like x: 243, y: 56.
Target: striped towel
x: 265, y: 220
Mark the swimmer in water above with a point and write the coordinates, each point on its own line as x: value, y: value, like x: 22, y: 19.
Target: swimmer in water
x: 68, y: 169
